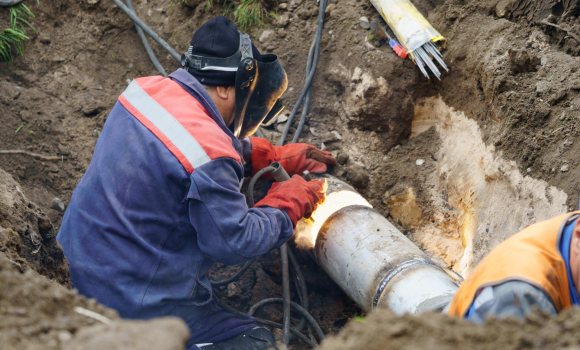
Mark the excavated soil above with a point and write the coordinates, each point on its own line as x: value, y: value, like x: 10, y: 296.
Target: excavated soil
x: 385, y: 331
x: 458, y: 164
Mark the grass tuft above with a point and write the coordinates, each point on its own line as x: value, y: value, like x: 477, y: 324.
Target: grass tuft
x: 12, y: 39
x: 249, y: 13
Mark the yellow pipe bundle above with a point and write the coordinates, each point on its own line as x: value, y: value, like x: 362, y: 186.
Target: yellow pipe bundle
x: 414, y: 32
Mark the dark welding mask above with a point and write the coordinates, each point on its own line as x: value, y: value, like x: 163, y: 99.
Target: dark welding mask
x: 259, y: 84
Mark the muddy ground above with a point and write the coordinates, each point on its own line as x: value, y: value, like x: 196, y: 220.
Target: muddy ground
x: 459, y: 164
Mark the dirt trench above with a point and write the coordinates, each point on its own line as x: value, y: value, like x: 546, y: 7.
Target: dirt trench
x: 458, y: 164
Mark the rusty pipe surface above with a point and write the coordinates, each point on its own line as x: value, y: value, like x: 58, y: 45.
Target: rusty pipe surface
x: 369, y: 258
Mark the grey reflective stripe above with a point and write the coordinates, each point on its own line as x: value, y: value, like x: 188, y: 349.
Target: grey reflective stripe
x: 223, y: 69
x: 167, y: 124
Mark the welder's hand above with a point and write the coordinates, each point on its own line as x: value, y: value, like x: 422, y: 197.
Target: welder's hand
x: 295, y: 158
x: 296, y: 196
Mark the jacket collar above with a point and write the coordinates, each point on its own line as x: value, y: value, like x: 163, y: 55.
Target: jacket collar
x: 194, y: 87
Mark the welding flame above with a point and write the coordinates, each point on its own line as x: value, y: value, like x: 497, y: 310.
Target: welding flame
x: 306, y: 230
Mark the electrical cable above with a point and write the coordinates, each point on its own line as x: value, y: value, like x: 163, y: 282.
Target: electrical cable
x: 148, y: 30
x: 235, y: 277
x: 150, y: 52
x: 264, y: 322
x: 7, y: 3
x: 296, y: 307
x: 267, y: 169
x: 310, y: 75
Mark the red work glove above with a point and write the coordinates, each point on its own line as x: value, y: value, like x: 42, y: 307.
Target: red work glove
x: 295, y: 157
x: 296, y: 197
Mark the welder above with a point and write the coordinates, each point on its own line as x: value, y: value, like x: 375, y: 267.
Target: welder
x: 160, y: 202
x: 537, y: 267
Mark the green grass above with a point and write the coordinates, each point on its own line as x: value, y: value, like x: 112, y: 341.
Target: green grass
x: 12, y: 39
x: 249, y: 13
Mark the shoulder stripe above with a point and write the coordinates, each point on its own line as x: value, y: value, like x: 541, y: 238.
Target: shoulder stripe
x: 167, y: 124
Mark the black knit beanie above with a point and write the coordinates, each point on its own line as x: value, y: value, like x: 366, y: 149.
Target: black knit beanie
x: 218, y: 37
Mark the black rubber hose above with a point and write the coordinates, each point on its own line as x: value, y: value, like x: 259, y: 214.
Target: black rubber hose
x: 150, y: 52
x: 310, y: 76
x: 265, y: 322
x: 235, y: 277
x: 148, y: 30
x: 285, y: 294
x: 253, y: 182
x: 300, y: 287
x: 307, y: 98
x: 296, y: 307
x: 8, y: 3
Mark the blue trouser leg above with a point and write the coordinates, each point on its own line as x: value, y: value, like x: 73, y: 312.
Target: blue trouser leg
x: 211, y: 324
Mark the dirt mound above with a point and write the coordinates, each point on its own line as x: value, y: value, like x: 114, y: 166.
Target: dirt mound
x: 384, y: 330
x: 27, y: 237
x: 37, y: 313
x: 41, y: 313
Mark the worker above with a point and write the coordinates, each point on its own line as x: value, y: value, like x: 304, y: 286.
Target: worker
x: 537, y: 267
x: 160, y: 202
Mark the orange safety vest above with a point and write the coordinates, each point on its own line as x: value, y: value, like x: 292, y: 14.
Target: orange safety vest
x: 531, y: 256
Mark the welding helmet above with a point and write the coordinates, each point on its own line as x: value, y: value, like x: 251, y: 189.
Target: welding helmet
x: 259, y: 84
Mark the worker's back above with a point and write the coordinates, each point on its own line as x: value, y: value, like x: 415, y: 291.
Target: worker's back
x: 127, y: 233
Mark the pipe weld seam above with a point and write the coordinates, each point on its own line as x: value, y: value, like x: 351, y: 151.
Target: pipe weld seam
x: 395, y: 271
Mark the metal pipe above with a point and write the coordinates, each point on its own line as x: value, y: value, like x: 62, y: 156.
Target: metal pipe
x: 369, y: 258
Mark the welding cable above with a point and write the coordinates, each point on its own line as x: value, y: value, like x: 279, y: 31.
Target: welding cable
x: 300, y: 284
x: 150, y: 52
x: 264, y: 322
x: 148, y: 30
x: 285, y: 294
x: 310, y: 75
x: 8, y: 3
x: 235, y: 277
x: 296, y: 307
x: 267, y: 169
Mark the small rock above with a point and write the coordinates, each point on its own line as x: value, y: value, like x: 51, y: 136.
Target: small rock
x: 282, y: 118
x: 530, y: 213
x: 266, y: 36
x: 521, y: 61
x: 364, y: 22
x: 331, y: 137
x: 568, y: 143
x: 553, y: 170
x: 356, y: 76
x: 369, y: 46
x: 64, y: 336
x: 44, y: 38
x: 322, y: 146
x: 57, y: 204
x: 342, y: 158
x: 329, y: 9
x: 281, y: 33
x: 283, y: 20
x: 280, y: 127
x: 338, y: 137
x: 420, y: 162
x: 357, y: 176
x: 283, y: 6
x: 557, y: 97
x: 232, y: 290
x: 63, y: 150
x: 564, y: 168
x: 529, y: 170
x: 563, y: 116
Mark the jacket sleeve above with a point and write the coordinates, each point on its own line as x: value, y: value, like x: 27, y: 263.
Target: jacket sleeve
x: 227, y: 230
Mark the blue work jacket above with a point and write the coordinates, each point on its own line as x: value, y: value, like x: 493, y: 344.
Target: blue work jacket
x: 153, y: 212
